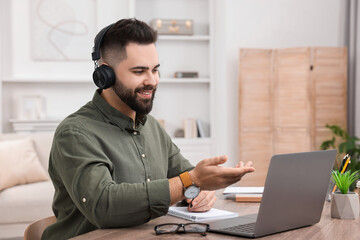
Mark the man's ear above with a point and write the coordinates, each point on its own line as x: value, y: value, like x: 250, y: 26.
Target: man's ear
x: 102, y: 62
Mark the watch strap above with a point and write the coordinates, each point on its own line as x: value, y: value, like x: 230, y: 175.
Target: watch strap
x: 185, y: 179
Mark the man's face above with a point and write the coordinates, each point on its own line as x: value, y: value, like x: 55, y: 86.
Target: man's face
x: 137, y: 77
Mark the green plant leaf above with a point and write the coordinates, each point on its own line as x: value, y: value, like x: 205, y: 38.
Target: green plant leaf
x: 344, y: 144
x: 337, y: 131
x: 342, y: 147
x: 349, y: 145
x: 344, y: 180
x: 327, y: 144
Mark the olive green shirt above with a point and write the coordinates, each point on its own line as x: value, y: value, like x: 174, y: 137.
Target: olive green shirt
x: 108, y: 174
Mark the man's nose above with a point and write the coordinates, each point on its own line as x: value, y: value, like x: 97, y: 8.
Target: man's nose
x: 152, y: 79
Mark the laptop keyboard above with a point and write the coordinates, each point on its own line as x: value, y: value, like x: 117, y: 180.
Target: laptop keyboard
x: 246, y: 228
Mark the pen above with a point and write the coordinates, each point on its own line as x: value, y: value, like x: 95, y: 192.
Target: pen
x: 344, y: 164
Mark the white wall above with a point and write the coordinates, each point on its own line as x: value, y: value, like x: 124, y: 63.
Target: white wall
x: 254, y: 24
x: 265, y: 24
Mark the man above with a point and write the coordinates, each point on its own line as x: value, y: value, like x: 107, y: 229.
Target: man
x: 111, y: 163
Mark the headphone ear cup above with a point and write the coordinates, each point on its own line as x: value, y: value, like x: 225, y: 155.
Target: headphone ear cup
x: 104, y: 76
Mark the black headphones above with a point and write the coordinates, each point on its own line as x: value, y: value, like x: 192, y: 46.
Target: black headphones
x: 103, y: 76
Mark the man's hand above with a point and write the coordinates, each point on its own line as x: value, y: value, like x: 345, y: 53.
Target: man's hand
x: 209, y: 176
x: 203, y: 202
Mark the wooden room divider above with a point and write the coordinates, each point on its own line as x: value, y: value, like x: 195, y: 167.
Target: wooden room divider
x: 286, y: 98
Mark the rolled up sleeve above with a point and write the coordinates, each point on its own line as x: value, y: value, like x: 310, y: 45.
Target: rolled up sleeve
x: 159, y: 197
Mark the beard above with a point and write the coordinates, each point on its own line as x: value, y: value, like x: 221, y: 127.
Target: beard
x: 129, y: 97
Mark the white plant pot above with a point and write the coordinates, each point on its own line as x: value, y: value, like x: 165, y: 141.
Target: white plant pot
x: 345, y: 206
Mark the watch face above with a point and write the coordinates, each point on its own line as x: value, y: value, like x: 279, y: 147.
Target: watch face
x: 192, y: 192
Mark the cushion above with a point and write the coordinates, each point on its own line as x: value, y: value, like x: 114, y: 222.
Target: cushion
x: 19, y: 163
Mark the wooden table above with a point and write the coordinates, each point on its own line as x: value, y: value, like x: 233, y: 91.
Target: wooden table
x: 328, y: 228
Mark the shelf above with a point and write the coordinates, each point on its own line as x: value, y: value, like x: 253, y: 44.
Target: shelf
x: 184, y: 37
x: 48, y: 80
x: 54, y: 81
x: 192, y: 141
x: 184, y: 80
x: 36, y: 121
x: 36, y: 125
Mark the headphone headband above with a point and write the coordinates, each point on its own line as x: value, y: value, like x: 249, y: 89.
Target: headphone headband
x: 97, y: 42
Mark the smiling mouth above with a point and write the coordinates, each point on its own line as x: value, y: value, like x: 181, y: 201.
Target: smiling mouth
x: 145, y: 94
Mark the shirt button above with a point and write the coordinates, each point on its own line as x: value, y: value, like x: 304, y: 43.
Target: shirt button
x: 148, y: 179
x: 143, y: 155
x: 84, y: 200
x: 135, y: 133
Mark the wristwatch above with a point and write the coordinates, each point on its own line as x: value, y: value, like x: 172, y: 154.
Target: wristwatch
x: 191, y: 190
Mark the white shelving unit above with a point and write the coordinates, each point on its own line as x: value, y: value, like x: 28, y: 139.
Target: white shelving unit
x: 185, y: 80
x: 187, y: 97
x: 185, y: 38
x: 67, y: 85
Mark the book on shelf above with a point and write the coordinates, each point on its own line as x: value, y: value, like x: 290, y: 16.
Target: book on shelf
x: 190, y: 128
x: 212, y: 214
x: 200, y: 128
x: 203, y: 129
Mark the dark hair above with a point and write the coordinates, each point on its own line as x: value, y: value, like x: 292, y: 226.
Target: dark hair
x: 122, y: 33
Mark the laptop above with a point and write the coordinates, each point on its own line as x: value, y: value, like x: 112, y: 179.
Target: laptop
x: 293, y: 197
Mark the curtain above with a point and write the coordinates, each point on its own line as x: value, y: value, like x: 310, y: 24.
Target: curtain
x: 352, y: 41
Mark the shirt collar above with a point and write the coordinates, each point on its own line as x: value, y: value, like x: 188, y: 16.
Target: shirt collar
x: 116, y: 117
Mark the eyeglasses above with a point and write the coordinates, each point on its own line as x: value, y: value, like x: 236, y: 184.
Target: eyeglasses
x: 201, y: 228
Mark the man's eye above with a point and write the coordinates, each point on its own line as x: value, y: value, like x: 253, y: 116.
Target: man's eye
x: 155, y: 70
x: 138, y: 72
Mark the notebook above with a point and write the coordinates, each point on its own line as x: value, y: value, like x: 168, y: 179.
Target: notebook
x: 293, y: 197
x: 212, y: 214
x: 243, y: 190
x: 244, y: 194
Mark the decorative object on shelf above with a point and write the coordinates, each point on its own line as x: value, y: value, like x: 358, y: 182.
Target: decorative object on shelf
x: 344, y: 204
x: 37, y: 125
x: 190, y: 128
x: 173, y: 26
x: 186, y: 75
x: 32, y: 107
x: 179, y: 133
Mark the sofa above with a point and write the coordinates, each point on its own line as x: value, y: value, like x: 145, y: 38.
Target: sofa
x: 23, y: 204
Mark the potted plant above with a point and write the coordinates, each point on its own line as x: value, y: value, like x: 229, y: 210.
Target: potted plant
x: 344, y: 144
x: 344, y: 204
